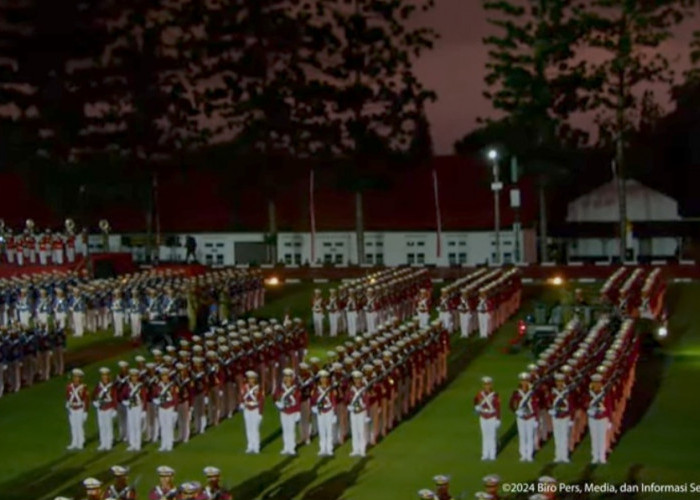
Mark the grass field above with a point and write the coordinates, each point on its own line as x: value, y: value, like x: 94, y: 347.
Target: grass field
x: 660, y: 445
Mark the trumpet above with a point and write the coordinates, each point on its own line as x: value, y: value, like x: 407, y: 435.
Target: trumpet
x: 30, y: 225
x: 70, y: 226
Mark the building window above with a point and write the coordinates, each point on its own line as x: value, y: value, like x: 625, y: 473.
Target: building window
x: 410, y: 243
x: 338, y: 258
x: 297, y: 243
x: 421, y: 243
x: 288, y: 244
x: 451, y: 243
x: 328, y: 258
x: 209, y: 259
x: 288, y: 258
x: 339, y: 244
x: 369, y: 258
x: 507, y: 258
x: 462, y: 257
x: 208, y: 245
x: 379, y: 258
x: 297, y: 259
x: 452, y: 258
x: 326, y: 244
x: 369, y: 244
x: 420, y: 258
x: 411, y: 258
x: 220, y: 260
x: 463, y: 243
x: 380, y: 244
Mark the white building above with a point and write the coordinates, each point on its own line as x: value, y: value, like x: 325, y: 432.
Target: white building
x: 592, y: 223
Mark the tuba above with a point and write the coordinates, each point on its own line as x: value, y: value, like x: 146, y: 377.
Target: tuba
x: 70, y: 226
x: 30, y: 225
x: 104, y: 226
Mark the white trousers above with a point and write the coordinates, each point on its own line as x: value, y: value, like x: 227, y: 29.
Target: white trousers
x: 561, y: 427
x: 333, y: 321
x: 43, y: 257
x: 446, y: 320
x: 372, y: 321
x: 489, y: 426
x: 598, y: 428
x: 76, y: 418
x: 318, y: 324
x: 24, y: 317
x: 352, y: 323
x: 325, y: 432
x: 252, y: 420
x: 58, y: 257
x: 484, y: 324
x: 465, y: 324
x: 105, y: 423
x: 43, y: 318
x: 10, y: 256
x: 289, y: 431
x: 61, y: 319
x: 423, y: 320
x: 78, y: 324
x: 357, y: 428
x: 135, y: 320
x: 166, y: 419
x: 526, y: 435
x: 118, y: 324
x: 20, y: 258
x: 134, y: 417
x: 70, y: 254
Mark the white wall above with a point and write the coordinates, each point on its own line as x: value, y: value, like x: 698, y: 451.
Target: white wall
x: 608, y: 247
x: 387, y: 248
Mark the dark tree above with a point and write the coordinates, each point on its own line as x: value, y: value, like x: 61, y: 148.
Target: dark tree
x: 376, y: 99
x: 630, y: 33
x: 533, y: 76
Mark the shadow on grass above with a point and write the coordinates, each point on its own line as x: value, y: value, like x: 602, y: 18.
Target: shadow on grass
x: 334, y: 487
x: 254, y: 486
x: 37, y: 482
x: 295, y: 484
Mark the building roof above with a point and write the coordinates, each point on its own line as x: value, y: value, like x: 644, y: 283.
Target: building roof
x: 643, y: 204
x: 198, y: 201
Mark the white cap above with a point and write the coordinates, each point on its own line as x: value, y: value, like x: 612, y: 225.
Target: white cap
x: 104, y: 370
x: 165, y: 470
x: 122, y: 364
x: 211, y: 471
x: 251, y: 374
x: 77, y: 372
x: 119, y: 470
x: 486, y: 380
x: 288, y: 372
x: 596, y: 377
x: 91, y: 483
x: 139, y: 359
x: 356, y: 374
x: 524, y: 376
x: 323, y: 373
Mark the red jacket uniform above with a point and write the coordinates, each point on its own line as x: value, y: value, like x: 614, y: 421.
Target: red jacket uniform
x: 324, y: 399
x: 166, y: 394
x: 527, y: 410
x: 105, y: 395
x: 252, y: 397
x: 598, y: 407
x: 135, y: 394
x: 561, y: 403
x: 357, y: 399
x: 488, y: 405
x: 77, y: 396
x: 288, y: 399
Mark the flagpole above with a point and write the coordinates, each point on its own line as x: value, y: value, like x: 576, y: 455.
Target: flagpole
x: 438, y: 219
x: 312, y: 216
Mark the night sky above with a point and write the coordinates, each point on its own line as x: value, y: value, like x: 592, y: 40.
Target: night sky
x: 455, y: 69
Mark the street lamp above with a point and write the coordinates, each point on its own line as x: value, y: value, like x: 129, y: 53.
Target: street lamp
x: 496, y: 187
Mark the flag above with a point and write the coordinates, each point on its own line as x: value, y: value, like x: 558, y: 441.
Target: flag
x: 437, y: 212
x: 312, y: 215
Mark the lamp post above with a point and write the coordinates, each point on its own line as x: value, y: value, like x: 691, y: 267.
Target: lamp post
x: 496, y: 187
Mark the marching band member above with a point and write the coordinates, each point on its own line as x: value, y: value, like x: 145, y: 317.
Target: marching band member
x: 165, y: 398
x: 134, y: 399
x: 77, y: 402
x: 523, y: 402
x: 317, y: 312
x: 104, y: 399
x: 358, y: 403
x: 561, y: 408
x: 323, y: 405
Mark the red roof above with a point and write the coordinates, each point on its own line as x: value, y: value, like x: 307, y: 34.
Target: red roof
x: 196, y: 201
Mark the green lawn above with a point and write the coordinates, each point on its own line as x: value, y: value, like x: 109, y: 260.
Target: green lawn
x: 442, y: 438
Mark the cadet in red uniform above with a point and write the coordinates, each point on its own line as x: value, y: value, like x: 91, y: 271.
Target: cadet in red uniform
x: 165, y: 398
x: 44, y: 247
x: 358, y: 402
x: 134, y: 398
x: 121, y: 489
x: 340, y: 382
x: 166, y: 489
x: 307, y: 386
x: 77, y: 403
x: 323, y: 405
x: 185, y: 392
x: 57, y: 249
x: 288, y: 401
x: 215, y: 383
x: 104, y: 399
x: 599, y: 412
x: 488, y: 406
x: 213, y: 489
x: 524, y: 404
x: 252, y: 400
x: 561, y: 408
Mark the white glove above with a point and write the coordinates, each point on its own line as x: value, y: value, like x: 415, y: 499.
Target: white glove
x: 96, y: 404
x: 279, y: 405
x: 241, y: 407
x: 498, y: 424
x: 156, y: 402
x: 125, y: 403
x: 314, y: 410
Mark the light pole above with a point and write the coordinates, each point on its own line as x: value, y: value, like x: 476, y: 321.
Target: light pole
x: 496, y: 187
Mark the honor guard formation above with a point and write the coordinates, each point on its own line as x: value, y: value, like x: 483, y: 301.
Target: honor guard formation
x: 31, y: 246
x: 188, y: 388
x: 545, y: 486
x: 583, y: 380
x: 166, y: 488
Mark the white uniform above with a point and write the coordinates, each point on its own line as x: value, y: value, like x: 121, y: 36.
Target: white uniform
x: 358, y: 419
x: 317, y: 310
x: 489, y: 423
x: 252, y: 417
x: 105, y: 415
x: 527, y: 425
x: 351, y: 314
x: 76, y: 415
x: 134, y: 415
x: 561, y: 425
